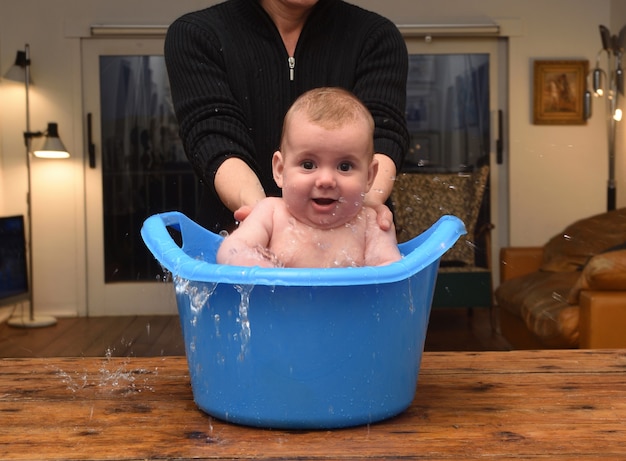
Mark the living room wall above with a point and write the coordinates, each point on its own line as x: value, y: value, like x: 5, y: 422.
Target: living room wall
x: 556, y: 174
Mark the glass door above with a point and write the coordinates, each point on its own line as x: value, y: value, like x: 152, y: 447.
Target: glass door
x: 136, y: 168
x: 454, y: 95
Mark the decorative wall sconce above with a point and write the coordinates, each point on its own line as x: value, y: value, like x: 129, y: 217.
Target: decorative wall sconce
x: 609, y: 83
x: 52, y: 148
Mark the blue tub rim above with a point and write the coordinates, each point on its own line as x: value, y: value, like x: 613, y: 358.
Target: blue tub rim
x: 418, y: 253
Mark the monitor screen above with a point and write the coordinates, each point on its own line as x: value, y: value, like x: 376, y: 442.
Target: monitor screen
x: 13, y: 265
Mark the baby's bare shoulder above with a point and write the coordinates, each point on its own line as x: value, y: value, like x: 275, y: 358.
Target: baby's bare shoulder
x: 269, y: 202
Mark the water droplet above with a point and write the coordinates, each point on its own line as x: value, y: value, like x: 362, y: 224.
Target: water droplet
x: 216, y: 321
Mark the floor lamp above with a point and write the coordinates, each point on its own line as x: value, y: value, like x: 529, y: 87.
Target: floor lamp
x: 52, y: 148
x: 614, y: 47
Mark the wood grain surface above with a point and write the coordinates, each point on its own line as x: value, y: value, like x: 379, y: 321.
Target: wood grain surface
x: 468, y: 405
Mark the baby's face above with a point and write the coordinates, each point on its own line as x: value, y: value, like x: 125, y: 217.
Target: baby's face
x: 325, y: 173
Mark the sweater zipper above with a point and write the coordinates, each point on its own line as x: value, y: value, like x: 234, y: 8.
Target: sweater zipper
x: 292, y: 67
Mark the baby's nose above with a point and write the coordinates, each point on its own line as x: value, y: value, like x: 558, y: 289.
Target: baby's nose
x: 326, y: 178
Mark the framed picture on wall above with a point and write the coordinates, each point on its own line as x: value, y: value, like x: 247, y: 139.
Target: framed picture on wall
x: 558, y: 92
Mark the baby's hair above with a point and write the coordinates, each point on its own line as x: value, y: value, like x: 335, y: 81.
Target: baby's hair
x: 330, y: 108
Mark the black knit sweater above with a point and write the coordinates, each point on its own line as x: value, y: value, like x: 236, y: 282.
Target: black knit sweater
x: 231, y: 83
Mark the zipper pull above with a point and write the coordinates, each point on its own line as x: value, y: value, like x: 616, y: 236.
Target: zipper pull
x: 292, y: 67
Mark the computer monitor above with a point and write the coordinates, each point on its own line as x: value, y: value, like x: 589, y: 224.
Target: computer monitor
x: 13, y: 263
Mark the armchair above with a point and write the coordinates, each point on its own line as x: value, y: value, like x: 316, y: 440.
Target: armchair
x: 419, y: 199
x: 569, y: 293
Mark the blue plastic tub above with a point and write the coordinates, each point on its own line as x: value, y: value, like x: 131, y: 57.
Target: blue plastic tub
x: 300, y: 348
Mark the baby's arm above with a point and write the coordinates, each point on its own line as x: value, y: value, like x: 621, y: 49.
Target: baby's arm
x: 247, y: 245
x: 381, y: 247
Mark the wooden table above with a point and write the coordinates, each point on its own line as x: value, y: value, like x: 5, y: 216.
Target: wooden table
x: 491, y: 405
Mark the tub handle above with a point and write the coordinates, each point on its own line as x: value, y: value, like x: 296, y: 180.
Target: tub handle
x: 197, y: 242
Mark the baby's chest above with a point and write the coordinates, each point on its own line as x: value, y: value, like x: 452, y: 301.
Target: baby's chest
x: 331, y: 248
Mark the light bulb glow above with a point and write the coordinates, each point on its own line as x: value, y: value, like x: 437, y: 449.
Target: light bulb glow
x: 51, y: 154
x: 617, y: 116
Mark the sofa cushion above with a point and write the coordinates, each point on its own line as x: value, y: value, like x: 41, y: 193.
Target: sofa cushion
x: 541, y: 300
x: 605, y: 271
x: 571, y: 249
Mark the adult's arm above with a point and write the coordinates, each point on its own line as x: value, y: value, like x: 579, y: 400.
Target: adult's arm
x: 381, y: 79
x: 211, y: 123
x: 237, y: 185
x: 381, y: 85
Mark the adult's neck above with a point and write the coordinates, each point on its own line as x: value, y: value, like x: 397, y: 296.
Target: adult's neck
x: 289, y: 20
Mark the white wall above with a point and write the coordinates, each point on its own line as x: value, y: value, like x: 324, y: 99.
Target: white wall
x: 557, y: 173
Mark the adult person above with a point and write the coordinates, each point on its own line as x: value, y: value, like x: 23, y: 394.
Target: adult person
x: 325, y: 166
x: 236, y: 67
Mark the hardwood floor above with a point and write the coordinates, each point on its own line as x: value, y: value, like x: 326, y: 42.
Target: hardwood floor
x: 142, y: 336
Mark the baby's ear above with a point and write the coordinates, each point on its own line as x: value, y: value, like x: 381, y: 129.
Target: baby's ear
x: 372, y: 171
x: 278, y: 166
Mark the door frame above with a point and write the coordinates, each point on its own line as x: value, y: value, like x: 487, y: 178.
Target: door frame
x: 120, y: 298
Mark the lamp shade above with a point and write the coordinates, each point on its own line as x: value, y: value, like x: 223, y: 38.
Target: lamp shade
x: 17, y: 72
x: 52, y: 146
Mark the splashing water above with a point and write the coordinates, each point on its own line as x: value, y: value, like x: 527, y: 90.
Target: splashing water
x: 244, y: 304
x: 410, y: 300
x: 115, y: 378
x: 165, y: 277
x: 198, y: 294
x: 110, y: 379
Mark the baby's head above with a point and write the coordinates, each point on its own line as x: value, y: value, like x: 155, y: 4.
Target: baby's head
x: 326, y: 163
x: 331, y: 108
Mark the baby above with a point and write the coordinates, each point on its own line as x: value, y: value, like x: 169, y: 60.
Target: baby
x: 325, y: 166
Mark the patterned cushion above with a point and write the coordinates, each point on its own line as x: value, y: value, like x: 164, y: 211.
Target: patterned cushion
x: 541, y: 300
x: 420, y: 199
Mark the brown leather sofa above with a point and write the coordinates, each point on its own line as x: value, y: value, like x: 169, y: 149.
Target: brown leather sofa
x: 569, y: 293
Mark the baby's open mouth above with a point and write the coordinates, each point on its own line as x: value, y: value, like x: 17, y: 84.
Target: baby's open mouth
x: 324, y: 201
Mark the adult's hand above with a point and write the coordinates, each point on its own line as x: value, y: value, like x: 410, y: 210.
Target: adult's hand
x: 381, y: 190
x: 242, y: 213
x: 384, y: 216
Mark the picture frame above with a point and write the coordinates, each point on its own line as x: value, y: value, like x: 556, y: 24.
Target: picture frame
x: 558, y: 92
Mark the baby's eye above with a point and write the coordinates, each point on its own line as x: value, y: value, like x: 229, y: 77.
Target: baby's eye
x: 308, y: 165
x: 345, y: 166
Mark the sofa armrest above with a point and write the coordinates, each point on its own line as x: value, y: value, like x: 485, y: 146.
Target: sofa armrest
x: 602, y: 319
x: 518, y: 261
